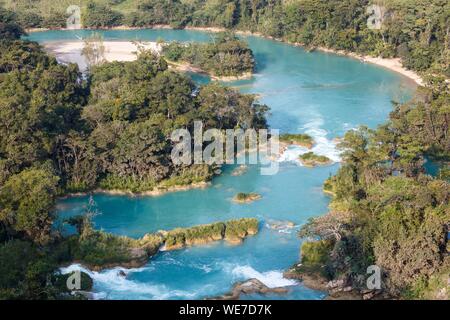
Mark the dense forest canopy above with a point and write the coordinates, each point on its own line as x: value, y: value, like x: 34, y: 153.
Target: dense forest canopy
x: 385, y: 209
x: 60, y: 132
x: 416, y: 30
x: 225, y: 56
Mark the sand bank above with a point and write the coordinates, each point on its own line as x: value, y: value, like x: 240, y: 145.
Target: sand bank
x: 70, y: 51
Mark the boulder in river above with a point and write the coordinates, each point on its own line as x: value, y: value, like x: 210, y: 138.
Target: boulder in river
x: 280, y: 225
x: 250, y: 286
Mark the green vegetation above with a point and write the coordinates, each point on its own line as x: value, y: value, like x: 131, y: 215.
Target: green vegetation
x: 226, y: 56
x: 26, y: 204
x: 315, y: 258
x: 237, y: 230
x: 310, y: 159
x: 86, y: 281
x: 100, y: 250
x: 182, y: 237
x: 233, y: 231
x: 100, y: 16
x: 414, y: 30
x: 24, y: 271
x: 328, y: 186
x: 113, y: 130
x: 385, y: 210
x: 62, y: 133
x: 299, y: 139
x: 242, y: 197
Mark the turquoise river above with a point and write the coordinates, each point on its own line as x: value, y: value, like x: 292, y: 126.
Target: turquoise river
x: 317, y: 93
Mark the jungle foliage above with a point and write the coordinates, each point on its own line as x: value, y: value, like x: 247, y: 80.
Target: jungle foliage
x: 225, y: 56
x: 62, y: 132
x: 415, y: 30
x: 386, y: 210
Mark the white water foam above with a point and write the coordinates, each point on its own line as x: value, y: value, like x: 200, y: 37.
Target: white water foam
x: 272, y: 279
x: 322, y: 145
x: 110, y: 281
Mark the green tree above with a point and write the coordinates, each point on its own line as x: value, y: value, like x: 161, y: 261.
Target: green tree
x: 26, y: 202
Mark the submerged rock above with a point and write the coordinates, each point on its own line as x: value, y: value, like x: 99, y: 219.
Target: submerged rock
x: 280, y: 225
x: 239, y: 171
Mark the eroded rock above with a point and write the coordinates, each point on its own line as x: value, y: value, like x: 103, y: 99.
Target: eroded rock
x: 250, y: 286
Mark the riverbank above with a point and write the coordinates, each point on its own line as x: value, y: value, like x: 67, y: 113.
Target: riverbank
x: 157, y: 191
x: 71, y: 52
x: 336, y: 290
x: 393, y: 64
x: 187, y: 67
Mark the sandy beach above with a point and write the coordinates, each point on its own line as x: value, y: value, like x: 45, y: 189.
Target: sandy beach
x: 70, y: 51
x: 393, y: 64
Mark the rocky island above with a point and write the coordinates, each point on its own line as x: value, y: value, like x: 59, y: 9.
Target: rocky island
x: 242, y: 197
x: 298, y: 139
x: 99, y: 250
x: 310, y: 159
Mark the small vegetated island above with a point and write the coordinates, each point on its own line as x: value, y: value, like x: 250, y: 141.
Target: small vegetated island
x: 310, y: 159
x: 100, y: 250
x: 299, y: 139
x: 226, y: 58
x: 243, y: 197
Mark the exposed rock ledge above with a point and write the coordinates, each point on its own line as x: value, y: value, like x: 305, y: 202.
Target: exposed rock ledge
x: 337, y: 289
x: 134, y: 253
x: 250, y: 286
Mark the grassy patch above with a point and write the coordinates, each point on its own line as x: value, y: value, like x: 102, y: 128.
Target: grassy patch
x: 310, y: 159
x: 299, y: 139
x: 226, y: 56
x: 242, y: 197
x: 315, y: 257
x: 98, y: 249
x: 237, y: 230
